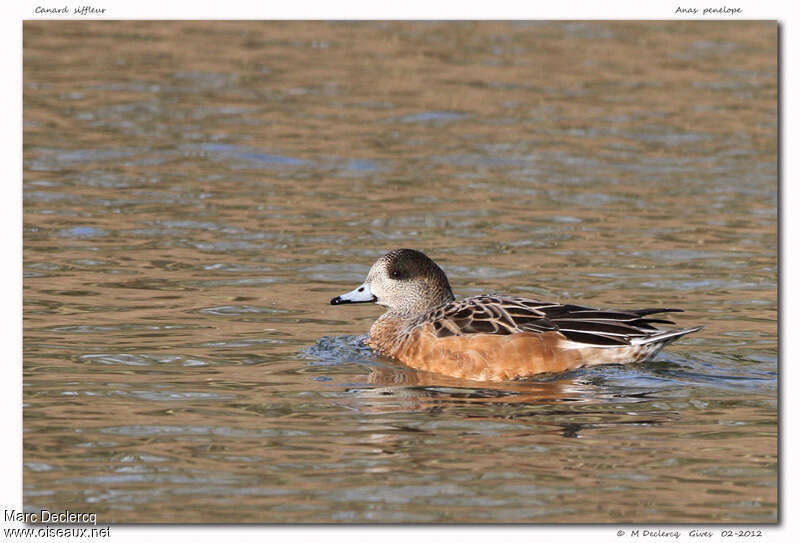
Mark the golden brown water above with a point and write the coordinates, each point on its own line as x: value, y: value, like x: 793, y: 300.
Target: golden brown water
x: 196, y: 192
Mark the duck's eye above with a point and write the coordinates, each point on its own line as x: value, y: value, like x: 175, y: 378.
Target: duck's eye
x: 395, y: 274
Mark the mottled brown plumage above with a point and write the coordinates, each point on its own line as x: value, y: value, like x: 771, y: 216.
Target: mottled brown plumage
x: 495, y: 338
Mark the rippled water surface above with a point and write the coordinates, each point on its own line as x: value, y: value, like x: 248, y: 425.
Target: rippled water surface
x: 196, y: 192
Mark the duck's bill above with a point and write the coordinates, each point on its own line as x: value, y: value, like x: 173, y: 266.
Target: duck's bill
x: 361, y: 295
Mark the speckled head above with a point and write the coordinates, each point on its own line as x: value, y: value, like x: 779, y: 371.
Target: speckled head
x: 405, y: 281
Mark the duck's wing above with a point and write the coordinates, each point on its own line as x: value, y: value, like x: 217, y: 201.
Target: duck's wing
x: 511, y: 315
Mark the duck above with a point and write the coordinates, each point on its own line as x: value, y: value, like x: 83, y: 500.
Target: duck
x: 494, y: 337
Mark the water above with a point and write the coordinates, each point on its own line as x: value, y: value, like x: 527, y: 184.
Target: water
x: 196, y: 192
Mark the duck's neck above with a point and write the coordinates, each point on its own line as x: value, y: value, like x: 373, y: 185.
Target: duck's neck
x: 388, y: 332
x: 392, y: 328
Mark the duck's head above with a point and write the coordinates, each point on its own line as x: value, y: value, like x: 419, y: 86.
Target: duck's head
x: 405, y: 281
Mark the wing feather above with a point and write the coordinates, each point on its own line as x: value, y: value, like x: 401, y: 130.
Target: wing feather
x: 510, y: 315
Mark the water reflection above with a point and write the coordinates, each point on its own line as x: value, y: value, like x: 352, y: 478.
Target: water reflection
x: 190, y: 209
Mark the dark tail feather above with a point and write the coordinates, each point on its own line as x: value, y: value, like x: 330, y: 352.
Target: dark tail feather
x: 650, y: 311
x: 656, y: 321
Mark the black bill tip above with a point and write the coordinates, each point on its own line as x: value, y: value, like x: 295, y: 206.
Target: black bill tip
x: 339, y: 301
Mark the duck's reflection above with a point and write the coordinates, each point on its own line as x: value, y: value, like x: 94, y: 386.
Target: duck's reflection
x: 566, y: 405
x: 424, y: 384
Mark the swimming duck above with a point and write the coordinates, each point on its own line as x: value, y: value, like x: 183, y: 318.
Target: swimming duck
x: 495, y: 338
